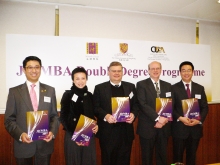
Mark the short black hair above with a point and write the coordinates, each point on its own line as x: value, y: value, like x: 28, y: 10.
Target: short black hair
x: 31, y: 58
x: 78, y: 70
x: 186, y: 63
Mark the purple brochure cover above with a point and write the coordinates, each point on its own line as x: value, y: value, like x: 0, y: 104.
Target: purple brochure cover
x: 164, y: 108
x: 120, y: 108
x: 83, y: 131
x: 191, y: 108
x: 37, y: 124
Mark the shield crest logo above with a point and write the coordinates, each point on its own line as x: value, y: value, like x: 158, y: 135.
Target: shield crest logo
x: 123, y: 47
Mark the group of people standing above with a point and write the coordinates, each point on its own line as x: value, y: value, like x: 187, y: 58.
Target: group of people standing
x: 115, y: 138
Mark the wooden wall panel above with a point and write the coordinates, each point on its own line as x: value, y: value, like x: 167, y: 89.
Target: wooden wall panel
x: 6, y: 150
x: 208, y: 151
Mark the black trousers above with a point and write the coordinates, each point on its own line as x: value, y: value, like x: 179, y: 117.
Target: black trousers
x: 36, y: 160
x: 159, y: 143
x: 116, y: 150
x: 191, y: 146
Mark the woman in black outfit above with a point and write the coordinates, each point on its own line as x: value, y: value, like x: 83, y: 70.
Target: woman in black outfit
x: 77, y: 101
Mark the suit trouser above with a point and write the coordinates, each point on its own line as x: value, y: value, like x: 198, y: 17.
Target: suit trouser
x: 116, y: 150
x: 159, y: 142
x: 190, y: 144
x: 37, y: 159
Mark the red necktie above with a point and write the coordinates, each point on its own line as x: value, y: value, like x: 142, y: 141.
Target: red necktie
x: 188, y: 90
x: 33, y: 97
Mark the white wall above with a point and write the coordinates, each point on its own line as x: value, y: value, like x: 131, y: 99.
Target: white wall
x: 39, y: 19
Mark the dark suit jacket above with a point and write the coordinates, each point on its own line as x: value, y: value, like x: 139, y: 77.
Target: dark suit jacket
x: 18, y: 104
x: 102, y: 102
x: 147, y: 94
x: 179, y: 130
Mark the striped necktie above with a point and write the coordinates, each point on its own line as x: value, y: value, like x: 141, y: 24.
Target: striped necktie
x: 157, y: 90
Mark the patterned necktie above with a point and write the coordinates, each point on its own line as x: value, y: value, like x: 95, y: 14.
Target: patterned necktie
x: 33, y: 97
x: 188, y: 91
x: 157, y: 90
x: 117, y: 86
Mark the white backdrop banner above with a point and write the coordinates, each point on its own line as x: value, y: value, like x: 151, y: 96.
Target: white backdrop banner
x: 60, y: 55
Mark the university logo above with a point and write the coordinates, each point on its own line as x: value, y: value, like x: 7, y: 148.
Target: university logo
x: 123, y: 55
x: 123, y: 47
x: 92, y: 48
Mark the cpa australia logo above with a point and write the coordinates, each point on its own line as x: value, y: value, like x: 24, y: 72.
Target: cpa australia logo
x: 157, y: 49
x: 123, y: 47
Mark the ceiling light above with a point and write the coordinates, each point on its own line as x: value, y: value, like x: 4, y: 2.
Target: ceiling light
x: 218, y: 1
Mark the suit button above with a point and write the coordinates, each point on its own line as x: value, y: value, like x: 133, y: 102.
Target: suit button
x: 74, y: 119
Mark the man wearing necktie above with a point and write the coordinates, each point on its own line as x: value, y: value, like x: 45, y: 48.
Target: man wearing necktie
x: 31, y: 96
x: 115, y: 138
x: 153, y: 130
x: 187, y: 132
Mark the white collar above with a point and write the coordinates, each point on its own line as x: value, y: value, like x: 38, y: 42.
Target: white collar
x: 158, y: 82
x: 30, y: 83
x: 115, y: 84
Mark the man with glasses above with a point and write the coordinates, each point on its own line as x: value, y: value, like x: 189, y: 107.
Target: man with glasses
x: 115, y: 138
x: 31, y: 96
x: 187, y: 132
x: 153, y: 130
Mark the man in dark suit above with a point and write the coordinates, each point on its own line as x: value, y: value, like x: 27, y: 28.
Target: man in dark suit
x: 115, y: 138
x: 187, y: 132
x: 19, y: 103
x: 153, y: 130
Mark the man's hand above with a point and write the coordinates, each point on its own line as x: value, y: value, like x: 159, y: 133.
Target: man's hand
x: 48, y: 137
x: 110, y: 119
x: 130, y: 118
x: 194, y: 122
x: 158, y: 125
x: 184, y: 120
x: 162, y: 120
x: 25, y: 138
x: 95, y: 129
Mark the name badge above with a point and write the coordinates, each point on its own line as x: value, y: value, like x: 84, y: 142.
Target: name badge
x: 75, y: 97
x: 197, y: 96
x: 47, y: 99
x: 131, y: 95
x: 168, y: 94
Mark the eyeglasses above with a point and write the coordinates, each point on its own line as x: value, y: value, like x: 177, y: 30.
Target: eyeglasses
x: 155, y: 69
x: 29, y: 68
